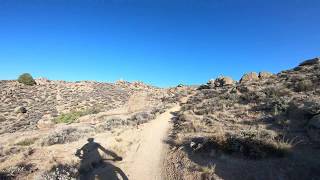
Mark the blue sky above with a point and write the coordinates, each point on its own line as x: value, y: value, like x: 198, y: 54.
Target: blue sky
x: 163, y: 43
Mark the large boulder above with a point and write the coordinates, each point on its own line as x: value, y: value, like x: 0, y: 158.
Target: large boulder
x: 223, y: 81
x: 252, y: 76
x: 265, y: 75
x: 310, y: 62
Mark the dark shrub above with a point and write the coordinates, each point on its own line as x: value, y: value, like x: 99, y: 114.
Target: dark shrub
x: 203, y: 86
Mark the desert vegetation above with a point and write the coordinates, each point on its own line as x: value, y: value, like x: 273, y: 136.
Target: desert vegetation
x: 264, y: 121
x: 26, y: 79
x: 72, y: 116
x: 42, y: 125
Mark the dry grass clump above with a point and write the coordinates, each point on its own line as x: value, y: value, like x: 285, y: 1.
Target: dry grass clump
x: 27, y: 142
x: 112, y: 123
x: 303, y: 86
x: 249, y: 144
x: 276, y: 92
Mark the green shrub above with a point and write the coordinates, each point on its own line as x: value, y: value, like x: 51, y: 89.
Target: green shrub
x: 26, y: 79
x: 68, y: 117
x: 73, y: 116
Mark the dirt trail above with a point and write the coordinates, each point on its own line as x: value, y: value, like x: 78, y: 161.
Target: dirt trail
x: 145, y: 159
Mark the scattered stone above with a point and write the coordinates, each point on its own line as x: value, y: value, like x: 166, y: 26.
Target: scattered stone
x: 20, y: 109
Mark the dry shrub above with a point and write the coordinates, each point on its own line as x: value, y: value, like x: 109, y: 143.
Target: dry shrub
x: 303, y: 85
x: 277, y: 92
x: 27, y: 142
x: 60, y: 172
x: 250, y: 144
x: 16, y: 171
x: 65, y: 135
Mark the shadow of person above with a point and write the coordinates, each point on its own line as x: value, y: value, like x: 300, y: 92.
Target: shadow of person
x: 93, y: 166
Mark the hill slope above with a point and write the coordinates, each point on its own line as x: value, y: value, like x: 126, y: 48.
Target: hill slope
x: 48, y: 99
x: 263, y: 127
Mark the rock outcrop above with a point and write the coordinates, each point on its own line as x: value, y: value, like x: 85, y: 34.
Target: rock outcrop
x: 249, y: 77
x: 223, y: 81
x: 265, y: 75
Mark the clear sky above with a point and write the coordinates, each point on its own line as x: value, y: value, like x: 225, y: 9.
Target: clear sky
x: 162, y: 42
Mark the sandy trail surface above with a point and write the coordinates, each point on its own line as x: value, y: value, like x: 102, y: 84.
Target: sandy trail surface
x: 144, y: 161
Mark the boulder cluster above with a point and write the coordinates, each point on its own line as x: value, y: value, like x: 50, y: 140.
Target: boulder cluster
x: 228, y: 81
x: 253, y: 76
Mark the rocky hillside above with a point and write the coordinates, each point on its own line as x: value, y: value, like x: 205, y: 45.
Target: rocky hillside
x: 42, y: 126
x: 22, y: 106
x: 267, y: 126
x: 264, y: 127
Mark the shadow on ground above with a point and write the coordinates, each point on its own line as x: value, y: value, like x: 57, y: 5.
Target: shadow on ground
x: 93, y: 166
